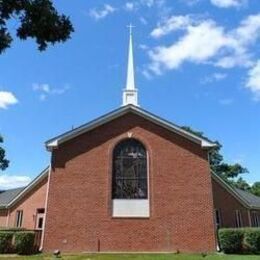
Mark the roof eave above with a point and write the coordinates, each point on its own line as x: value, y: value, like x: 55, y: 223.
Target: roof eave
x: 29, y: 187
x: 226, y: 186
x: 56, y: 141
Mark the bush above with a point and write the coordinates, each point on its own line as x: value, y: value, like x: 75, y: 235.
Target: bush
x: 5, y: 242
x: 11, y: 229
x: 231, y: 240
x: 252, y: 240
x: 24, y: 242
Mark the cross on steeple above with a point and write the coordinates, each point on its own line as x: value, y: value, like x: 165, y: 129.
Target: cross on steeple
x: 130, y: 26
x: 130, y: 92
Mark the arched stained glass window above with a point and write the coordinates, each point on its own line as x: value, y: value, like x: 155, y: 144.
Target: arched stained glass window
x: 129, y: 170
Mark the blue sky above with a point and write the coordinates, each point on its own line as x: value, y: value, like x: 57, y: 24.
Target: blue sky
x: 197, y: 63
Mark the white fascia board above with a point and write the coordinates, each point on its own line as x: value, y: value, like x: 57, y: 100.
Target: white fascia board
x: 176, y: 129
x: 54, y: 143
x: 206, y: 144
x: 30, y: 186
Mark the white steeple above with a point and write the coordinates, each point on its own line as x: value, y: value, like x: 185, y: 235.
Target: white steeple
x: 130, y: 92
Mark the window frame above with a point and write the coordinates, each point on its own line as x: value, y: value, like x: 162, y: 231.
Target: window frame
x: 138, y: 179
x: 238, y: 219
x: 218, y: 218
x: 19, y: 218
x: 255, y: 219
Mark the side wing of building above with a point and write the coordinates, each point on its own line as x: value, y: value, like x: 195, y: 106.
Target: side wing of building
x: 234, y: 207
x: 25, y: 207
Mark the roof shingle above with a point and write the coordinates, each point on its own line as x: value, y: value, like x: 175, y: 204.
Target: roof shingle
x: 7, y: 196
x: 253, y: 200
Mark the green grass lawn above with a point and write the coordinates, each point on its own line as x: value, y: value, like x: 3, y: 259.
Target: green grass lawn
x: 135, y: 257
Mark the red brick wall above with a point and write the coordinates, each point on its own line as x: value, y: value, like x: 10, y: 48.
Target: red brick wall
x: 3, y: 217
x: 79, y: 216
x: 255, y: 214
x: 228, y: 205
x: 34, y: 200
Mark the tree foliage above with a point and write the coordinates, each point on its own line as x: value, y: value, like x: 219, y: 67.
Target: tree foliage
x: 38, y: 19
x: 255, y: 189
x: 240, y: 183
x: 217, y: 164
x: 229, y: 172
x: 3, y: 161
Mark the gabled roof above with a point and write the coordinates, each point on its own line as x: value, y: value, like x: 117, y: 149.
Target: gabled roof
x: 247, y: 199
x: 10, y: 197
x: 56, y: 141
x: 253, y: 200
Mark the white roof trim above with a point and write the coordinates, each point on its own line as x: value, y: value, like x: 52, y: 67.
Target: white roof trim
x: 56, y: 141
x: 232, y: 191
x: 29, y: 187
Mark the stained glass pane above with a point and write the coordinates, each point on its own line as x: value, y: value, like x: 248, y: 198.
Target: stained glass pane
x: 129, y: 170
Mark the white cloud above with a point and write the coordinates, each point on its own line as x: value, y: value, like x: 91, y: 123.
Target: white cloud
x: 226, y: 101
x: 227, y: 3
x: 172, y: 24
x: 46, y: 90
x: 143, y: 20
x: 249, y: 30
x: 190, y: 2
x: 41, y: 87
x: 7, y: 99
x: 204, y: 41
x: 13, y: 181
x: 130, y: 6
x: 149, y: 3
x: 98, y: 14
x: 136, y: 5
x: 253, y: 80
x: 217, y: 76
x: 201, y: 43
x: 143, y: 46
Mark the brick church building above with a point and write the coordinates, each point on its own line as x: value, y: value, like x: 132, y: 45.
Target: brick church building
x: 129, y: 181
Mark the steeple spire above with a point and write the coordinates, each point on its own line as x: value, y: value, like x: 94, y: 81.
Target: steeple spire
x: 130, y: 92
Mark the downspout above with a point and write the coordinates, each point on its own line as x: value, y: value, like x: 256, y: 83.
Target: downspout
x: 213, y: 207
x: 46, y: 205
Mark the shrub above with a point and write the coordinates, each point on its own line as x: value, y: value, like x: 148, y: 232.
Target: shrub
x: 14, y: 229
x: 252, y: 240
x: 231, y: 240
x: 24, y: 242
x: 5, y: 242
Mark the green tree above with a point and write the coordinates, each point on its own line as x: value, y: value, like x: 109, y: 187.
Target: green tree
x: 225, y: 170
x: 37, y: 19
x: 255, y: 189
x: 3, y: 161
x: 240, y: 183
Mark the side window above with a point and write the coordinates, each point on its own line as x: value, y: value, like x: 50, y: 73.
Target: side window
x: 40, y: 218
x: 255, y: 219
x: 19, y: 219
x: 40, y: 223
x: 238, y: 219
x: 218, y: 220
